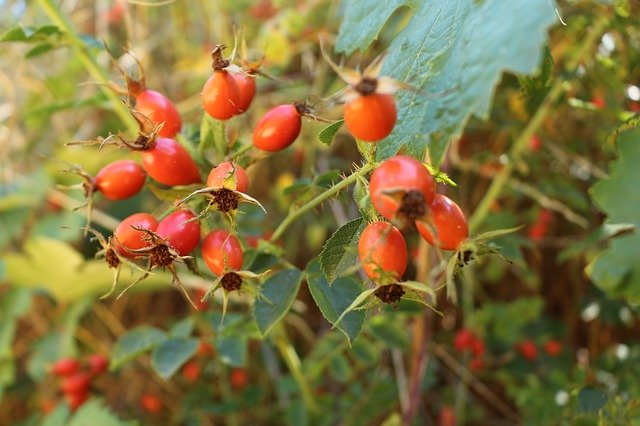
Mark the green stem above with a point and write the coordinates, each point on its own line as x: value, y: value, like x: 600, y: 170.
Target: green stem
x: 290, y: 357
x: 502, y: 178
x: 294, y: 214
x: 89, y: 62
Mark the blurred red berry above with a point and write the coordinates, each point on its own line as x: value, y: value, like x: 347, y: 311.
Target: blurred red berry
x: 476, y: 364
x: 238, y: 378
x: 599, y: 102
x: 47, y: 406
x: 553, y: 347
x: 634, y: 106
x: 540, y: 227
x: 76, y: 384
x: 463, y: 340
x: 191, y: 371
x: 205, y: 349
x: 528, y: 350
x: 97, y: 364
x: 447, y: 416
x: 65, y: 367
x: 151, y: 403
x: 477, y: 347
x: 535, y: 143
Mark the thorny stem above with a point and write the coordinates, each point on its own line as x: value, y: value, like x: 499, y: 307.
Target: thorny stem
x: 295, y: 213
x: 88, y: 61
x: 502, y: 178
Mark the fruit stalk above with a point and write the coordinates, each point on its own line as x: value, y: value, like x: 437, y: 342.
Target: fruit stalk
x: 294, y: 214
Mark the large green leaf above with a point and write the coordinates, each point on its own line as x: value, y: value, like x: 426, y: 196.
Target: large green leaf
x: 171, y: 354
x: 453, y: 49
x: 134, y: 343
x: 278, y: 292
x: 616, y: 270
x: 333, y: 300
x: 340, y: 252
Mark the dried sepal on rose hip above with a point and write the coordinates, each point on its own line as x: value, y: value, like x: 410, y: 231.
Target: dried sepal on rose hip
x: 226, y: 188
x: 159, y: 253
x: 401, y: 189
x: 223, y: 255
x: 160, y: 110
x: 112, y: 255
x: 370, y: 112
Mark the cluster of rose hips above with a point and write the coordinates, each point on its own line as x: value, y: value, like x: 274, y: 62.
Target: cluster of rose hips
x: 75, y: 377
x: 403, y: 191
x: 145, y: 243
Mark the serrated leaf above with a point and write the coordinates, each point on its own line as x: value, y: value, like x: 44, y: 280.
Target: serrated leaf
x: 362, y: 199
x: 171, y: 354
x: 369, y: 17
x: 134, y: 343
x: 456, y: 50
x: 279, y: 292
x: 616, y: 269
x: 340, y: 252
x: 333, y: 300
x: 328, y: 133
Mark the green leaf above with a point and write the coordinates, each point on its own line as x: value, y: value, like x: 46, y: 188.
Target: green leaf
x: 340, y: 253
x: 31, y: 34
x: 171, y: 354
x: 591, y: 399
x: 232, y: 349
x: 14, y: 303
x: 362, y: 199
x: 58, y: 417
x: 362, y: 22
x: 389, y: 330
x: 46, y: 351
x: 183, y: 328
x: 333, y: 300
x: 328, y: 133
x: 454, y: 50
x: 616, y: 269
x: 95, y: 413
x: 134, y: 343
x: 279, y: 292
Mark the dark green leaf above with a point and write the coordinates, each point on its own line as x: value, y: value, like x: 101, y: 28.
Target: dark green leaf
x: 340, y: 253
x: 171, y: 354
x: 279, y: 292
x: 333, y: 300
x: 362, y: 22
x: 39, y: 50
x: 232, y: 349
x: 390, y: 331
x: 591, y: 399
x: 134, y: 343
x: 328, y: 133
x: 183, y: 328
x: 616, y: 270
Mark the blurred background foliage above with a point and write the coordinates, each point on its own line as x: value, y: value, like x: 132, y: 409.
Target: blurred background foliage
x: 52, y: 94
